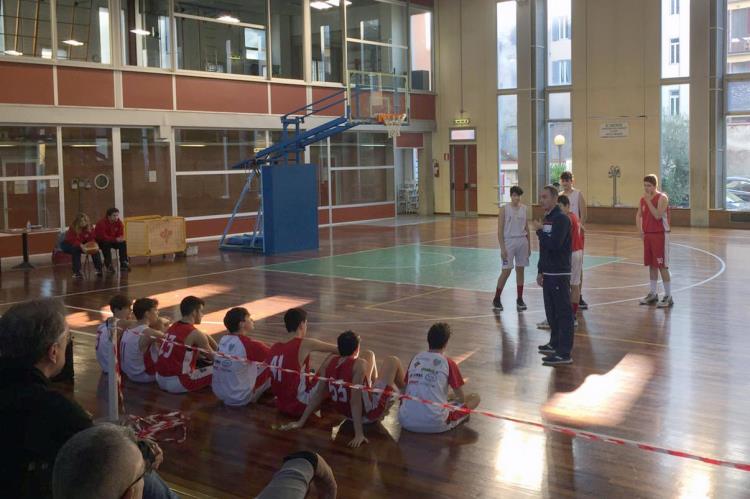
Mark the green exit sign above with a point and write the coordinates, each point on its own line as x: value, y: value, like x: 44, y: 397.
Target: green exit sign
x: 461, y: 121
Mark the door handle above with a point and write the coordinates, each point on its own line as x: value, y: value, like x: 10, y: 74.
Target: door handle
x: 472, y: 186
x: 453, y: 186
x: 466, y: 185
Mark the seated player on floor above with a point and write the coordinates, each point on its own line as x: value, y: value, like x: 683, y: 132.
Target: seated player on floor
x: 292, y: 390
x: 177, y: 367
x: 239, y: 382
x: 431, y: 375
x: 111, y: 329
x: 360, y: 406
x: 139, y: 346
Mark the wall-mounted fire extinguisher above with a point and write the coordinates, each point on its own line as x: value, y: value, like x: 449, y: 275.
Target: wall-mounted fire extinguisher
x: 435, y: 168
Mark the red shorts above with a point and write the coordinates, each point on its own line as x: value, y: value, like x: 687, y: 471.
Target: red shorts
x: 656, y: 249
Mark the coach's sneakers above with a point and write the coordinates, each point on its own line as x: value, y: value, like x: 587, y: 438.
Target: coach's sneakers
x: 497, y: 305
x: 556, y: 360
x: 546, y: 349
x: 582, y: 305
x: 665, y: 302
x: 649, y: 299
x: 542, y: 325
x: 520, y: 305
x: 575, y: 323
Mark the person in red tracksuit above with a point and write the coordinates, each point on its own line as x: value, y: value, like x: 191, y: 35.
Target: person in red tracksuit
x: 110, y: 233
x: 79, y: 233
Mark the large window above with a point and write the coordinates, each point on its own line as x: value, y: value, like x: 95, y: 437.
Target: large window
x: 83, y: 32
x: 738, y: 36
x: 559, y: 36
x: 146, y: 33
x: 222, y: 37
x: 507, y: 99
x: 146, y: 174
x: 89, y: 167
x: 738, y: 163
x: 327, y: 48
x: 559, y: 135
x: 675, y: 101
x: 507, y: 54
x: 361, y: 168
x: 25, y: 28
x: 420, y: 38
x: 287, y: 38
x: 29, y: 180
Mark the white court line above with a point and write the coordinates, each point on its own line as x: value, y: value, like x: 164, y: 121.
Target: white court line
x: 451, y: 259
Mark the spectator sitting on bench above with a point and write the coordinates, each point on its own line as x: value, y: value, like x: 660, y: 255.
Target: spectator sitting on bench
x: 79, y: 240
x: 110, y: 233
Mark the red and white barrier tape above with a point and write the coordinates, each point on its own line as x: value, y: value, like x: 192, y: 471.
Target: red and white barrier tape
x: 571, y: 432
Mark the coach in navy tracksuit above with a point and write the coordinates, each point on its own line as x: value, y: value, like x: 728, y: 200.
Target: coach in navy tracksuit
x: 554, y: 277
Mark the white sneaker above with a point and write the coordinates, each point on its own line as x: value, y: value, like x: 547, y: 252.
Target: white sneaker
x: 575, y: 323
x: 649, y: 299
x: 543, y: 325
x: 665, y: 302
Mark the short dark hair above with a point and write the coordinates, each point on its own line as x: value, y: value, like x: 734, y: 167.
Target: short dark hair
x: 566, y: 175
x: 143, y: 305
x: 438, y: 335
x: 190, y: 304
x: 293, y: 318
x: 348, y: 341
x: 563, y: 200
x: 112, y: 210
x: 29, y: 329
x: 233, y: 318
x: 652, y: 179
x: 552, y: 190
x: 516, y: 190
x: 119, y: 302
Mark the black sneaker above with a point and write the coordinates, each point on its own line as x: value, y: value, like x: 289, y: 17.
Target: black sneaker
x: 582, y: 305
x: 520, y: 305
x: 556, y: 360
x: 546, y: 349
x: 99, y: 273
x: 110, y: 270
x: 124, y: 267
x: 77, y: 275
x: 497, y: 305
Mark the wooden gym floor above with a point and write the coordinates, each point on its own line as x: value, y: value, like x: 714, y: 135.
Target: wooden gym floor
x: 676, y: 378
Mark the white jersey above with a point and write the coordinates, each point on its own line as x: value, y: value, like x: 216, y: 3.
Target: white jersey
x: 429, y: 376
x: 238, y: 382
x: 515, y: 221
x: 575, y: 201
x: 137, y: 366
x: 104, y: 344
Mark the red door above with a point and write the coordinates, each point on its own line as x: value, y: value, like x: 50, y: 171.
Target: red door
x: 464, y: 179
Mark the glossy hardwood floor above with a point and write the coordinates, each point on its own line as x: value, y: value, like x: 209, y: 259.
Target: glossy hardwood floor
x: 690, y: 391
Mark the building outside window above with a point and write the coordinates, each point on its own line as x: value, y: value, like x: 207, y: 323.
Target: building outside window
x: 674, y: 51
x: 559, y: 37
x: 507, y: 99
x: 738, y: 36
x: 674, y: 8
x: 674, y: 102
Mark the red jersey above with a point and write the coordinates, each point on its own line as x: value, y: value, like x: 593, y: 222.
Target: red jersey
x: 78, y: 238
x: 576, y: 234
x: 651, y: 224
x: 174, y: 359
x: 109, y: 231
x: 342, y: 368
x: 292, y: 390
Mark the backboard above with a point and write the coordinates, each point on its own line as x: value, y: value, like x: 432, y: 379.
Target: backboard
x: 371, y: 94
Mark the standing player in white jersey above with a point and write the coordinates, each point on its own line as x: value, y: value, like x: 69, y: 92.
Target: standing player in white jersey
x: 138, y: 346
x: 515, y: 246
x: 240, y: 382
x: 579, y: 208
x: 110, y: 330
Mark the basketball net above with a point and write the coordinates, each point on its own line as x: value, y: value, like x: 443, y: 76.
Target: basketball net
x: 392, y: 122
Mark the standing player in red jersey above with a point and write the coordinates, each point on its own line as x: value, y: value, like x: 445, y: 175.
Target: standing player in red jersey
x: 576, y: 257
x: 652, y: 221
x: 177, y: 366
x: 360, y: 406
x: 292, y: 390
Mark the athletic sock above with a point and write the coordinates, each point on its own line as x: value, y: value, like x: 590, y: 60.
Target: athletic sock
x: 519, y: 290
x: 653, y: 287
x: 667, y: 287
x: 498, y: 292
x: 575, y: 309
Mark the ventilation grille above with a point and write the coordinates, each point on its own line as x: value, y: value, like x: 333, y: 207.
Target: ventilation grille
x: 740, y: 217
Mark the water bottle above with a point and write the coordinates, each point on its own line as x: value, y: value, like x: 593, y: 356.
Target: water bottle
x: 28, y: 225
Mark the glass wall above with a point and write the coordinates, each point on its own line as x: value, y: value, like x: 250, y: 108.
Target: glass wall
x: 420, y: 43
x: 559, y: 49
x: 287, y: 38
x: 25, y: 28
x: 507, y: 99
x: 327, y: 44
x: 146, y: 174
x: 738, y: 163
x: 675, y: 38
x: 29, y: 179
x: 146, y: 34
x: 83, y: 32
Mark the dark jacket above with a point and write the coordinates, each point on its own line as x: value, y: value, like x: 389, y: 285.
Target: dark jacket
x: 555, y: 243
x: 35, y: 422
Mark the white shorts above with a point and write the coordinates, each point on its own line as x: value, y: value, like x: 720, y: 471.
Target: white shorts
x: 518, y: 253
x: 576, y: 268
x: 183, y: 383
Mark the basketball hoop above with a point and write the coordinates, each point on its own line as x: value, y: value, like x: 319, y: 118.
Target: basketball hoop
x: 392, y: 122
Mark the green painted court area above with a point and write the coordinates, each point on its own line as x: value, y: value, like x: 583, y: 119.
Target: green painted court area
x: 474, y: 269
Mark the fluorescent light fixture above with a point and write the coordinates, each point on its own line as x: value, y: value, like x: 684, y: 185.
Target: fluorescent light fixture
x: 192, y: 145
x: 82, y: 145
x: 228, y: 19
x: 73, y: 43
x: 7, y: 145
x: 320, y: 5
x: 13, y: 52
x: 46, y: 53
x: 336, y: 3
x: 141, y: 32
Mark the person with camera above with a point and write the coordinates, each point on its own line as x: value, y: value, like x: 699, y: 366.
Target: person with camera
x: 79, y: 240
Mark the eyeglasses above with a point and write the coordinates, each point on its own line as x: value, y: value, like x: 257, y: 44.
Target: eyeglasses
x: 148, y: 463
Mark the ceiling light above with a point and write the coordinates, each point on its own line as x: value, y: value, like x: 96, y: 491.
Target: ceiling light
x: 73, y: 43
x: 336, y: 3
x: 320, y: 5
x: 141, y: 32
x: 13, y: 52
x: 228, y: 19
x: 82, y: 145
x: 46, y: 53
x: 192, y: 145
